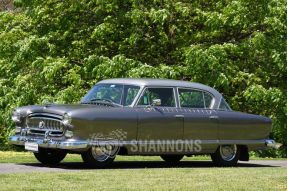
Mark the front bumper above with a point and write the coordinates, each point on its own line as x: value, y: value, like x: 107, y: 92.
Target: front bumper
x: 69, y: 144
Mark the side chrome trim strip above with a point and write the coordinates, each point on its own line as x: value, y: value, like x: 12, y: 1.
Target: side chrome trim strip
x: 82, y: 144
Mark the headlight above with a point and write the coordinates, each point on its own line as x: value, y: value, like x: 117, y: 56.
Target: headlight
x: 16, y: 116
x: 67, y: 120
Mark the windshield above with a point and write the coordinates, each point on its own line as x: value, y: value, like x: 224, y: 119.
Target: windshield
x: 112, y: 93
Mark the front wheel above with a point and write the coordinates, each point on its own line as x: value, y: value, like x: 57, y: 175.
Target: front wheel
x: 226, y: 155
x: 171, y: 158
x: 50, y: 156
x: 98, y: 157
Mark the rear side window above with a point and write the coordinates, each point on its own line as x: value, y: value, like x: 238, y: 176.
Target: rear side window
x: 224, y: 105
x: 194, y: 98
x: 166, y: 96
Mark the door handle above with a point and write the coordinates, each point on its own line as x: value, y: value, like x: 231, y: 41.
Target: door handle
x: 213, y: 117
x: 179, y: 116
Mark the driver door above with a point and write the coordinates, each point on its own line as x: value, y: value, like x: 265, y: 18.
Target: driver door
x: 160, y: 122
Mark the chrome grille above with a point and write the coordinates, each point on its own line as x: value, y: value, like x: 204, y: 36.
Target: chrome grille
x: 44, y: 124
x: 39, y: 124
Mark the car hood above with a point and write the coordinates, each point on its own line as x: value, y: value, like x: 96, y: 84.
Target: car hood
x: 59, y: 109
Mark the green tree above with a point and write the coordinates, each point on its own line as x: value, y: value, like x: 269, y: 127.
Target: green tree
x: 50, y: 48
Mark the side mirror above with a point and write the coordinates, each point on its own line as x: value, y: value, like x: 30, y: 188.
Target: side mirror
x: 156, y: 102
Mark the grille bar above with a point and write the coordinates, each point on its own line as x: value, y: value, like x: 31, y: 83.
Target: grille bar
x: 39, y: 123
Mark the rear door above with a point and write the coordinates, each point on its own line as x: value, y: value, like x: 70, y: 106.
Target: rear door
x: 200, y: 122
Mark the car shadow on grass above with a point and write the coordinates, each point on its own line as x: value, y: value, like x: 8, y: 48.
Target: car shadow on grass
x: 142, y: 165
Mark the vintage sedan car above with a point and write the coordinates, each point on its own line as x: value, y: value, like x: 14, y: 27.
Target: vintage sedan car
x: 168, y: 118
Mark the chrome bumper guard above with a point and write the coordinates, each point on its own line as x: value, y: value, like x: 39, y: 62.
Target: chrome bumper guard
x: 70, y: 144
x: 272, y: 144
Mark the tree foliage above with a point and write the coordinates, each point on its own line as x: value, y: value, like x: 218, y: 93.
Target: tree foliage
x: 56, y: 50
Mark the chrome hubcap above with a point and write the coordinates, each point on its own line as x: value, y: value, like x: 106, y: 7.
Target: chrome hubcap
x: 228, y: 152
x: 102, y: 153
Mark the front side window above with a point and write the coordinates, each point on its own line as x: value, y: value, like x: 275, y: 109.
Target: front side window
x: 194, y: 98
x: 165, y: 95
x: 129, y: 94
x: 113, y: 93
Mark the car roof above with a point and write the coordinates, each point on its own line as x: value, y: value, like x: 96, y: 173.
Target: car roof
x: 161, y: 83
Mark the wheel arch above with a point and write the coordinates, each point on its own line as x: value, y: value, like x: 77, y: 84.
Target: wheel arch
x: 244, y: 153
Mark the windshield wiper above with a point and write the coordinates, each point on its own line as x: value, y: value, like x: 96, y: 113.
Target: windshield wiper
x: 102, y: 101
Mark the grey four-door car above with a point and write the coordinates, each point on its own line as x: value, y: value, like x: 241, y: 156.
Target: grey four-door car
x: 168, y: 118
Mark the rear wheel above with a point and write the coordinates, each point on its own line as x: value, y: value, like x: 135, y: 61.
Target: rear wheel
x: 50, y: 156
x: 171, y: 158
x: 98, y: 157
x: 226, y: 155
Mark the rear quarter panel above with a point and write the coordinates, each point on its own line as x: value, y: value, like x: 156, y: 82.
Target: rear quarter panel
x: 242, y: 126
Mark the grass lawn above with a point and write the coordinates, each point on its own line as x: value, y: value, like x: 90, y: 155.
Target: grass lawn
x: 183, y: 178
x: 151, y: 179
